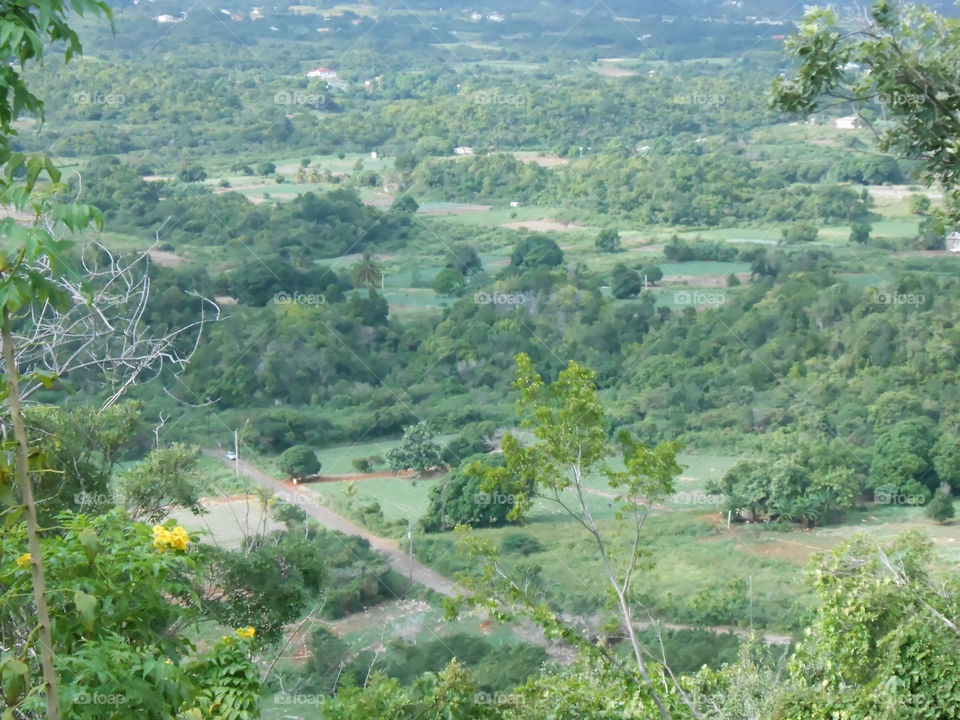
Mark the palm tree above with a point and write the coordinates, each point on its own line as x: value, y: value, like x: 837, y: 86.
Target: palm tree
x: 805, y: 508
x: 366, y: 273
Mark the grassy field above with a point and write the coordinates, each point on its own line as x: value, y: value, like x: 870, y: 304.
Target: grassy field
x: 701, y: 268
x: 399, y: 498
x: 504, y: 214
x: 338, y: 460
x: 686, y: 534
x: 228, y: 522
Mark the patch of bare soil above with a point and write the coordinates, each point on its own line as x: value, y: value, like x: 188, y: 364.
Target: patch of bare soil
x: 379, y: 200
x: 229, y: 520
x: 702, y: 281
x: 464, y: 209
x: 545, y: 225
x: 164, y: 258
x: 547, y: 161
x: 376, y: 616
x: 242, y: 188
x: 613, y: 71
x: 347, y: 477
x: 898, y: 192
x: 23, y: 218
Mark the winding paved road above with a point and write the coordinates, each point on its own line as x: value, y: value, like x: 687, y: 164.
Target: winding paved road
x: 397, y: 558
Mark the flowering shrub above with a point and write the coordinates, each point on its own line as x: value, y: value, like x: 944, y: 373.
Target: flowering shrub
x: 176, y: 538
x: 121, y: 597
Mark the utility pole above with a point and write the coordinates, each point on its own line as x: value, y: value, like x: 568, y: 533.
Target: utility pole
x: 751, y: 602
x: 236, y: 450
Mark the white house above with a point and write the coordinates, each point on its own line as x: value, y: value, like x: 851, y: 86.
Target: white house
x: 322, y: 72
x: 953, y: 242
x: 463, y: 150
x: 850, y: 122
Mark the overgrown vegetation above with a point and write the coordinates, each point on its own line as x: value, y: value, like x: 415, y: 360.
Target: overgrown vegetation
x: 345, y: 269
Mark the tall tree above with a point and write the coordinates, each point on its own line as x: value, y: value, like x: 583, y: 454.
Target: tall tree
x: 417, y: 451
x: 366, y: 272
x: 905, y: 59
x: 23, y: 31
x: 569, y: 425
x: 162, y: 482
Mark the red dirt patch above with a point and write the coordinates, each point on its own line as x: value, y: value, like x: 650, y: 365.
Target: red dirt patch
x: 352, y: 476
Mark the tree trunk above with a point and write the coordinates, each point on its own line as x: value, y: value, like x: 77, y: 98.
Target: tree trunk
x: 33, y: 530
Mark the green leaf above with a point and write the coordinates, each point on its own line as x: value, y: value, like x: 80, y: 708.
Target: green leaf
x: 6, y: 494
x: 86, y: 607
x: 51, y: 169
x: 34, y: 168
x: 91, y: 543
x: 14, y: 673
x: 17, y: 159
x: 46, y: 378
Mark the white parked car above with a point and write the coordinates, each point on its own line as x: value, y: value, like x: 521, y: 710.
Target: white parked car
x: 230, y: 455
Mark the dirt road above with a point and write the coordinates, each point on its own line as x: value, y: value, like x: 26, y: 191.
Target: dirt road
x: 397, y: 558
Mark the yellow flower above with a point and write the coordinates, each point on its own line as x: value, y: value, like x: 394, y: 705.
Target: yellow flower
x: 24, y: 560
x: 164, y: 539
x: 161, y: 537
x: 246, y: 633
x: 178, y: 538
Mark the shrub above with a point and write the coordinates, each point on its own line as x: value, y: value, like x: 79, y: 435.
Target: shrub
x: 941, y: 508
x: 361, y: 465
x: 298, y: 461
x: 521, y: 544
